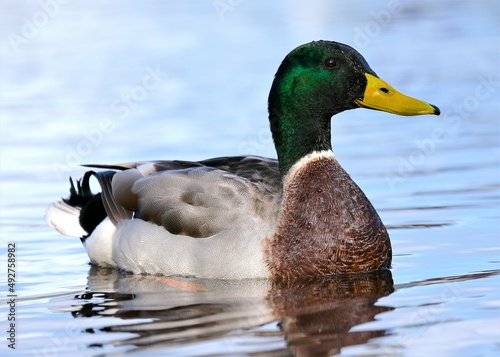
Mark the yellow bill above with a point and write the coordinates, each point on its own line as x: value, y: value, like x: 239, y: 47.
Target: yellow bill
x: 381, y: 96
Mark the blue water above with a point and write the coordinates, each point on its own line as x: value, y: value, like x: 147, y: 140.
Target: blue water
x: 92, y: 82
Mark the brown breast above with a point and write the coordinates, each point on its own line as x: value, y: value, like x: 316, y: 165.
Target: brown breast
x: 327, y: 225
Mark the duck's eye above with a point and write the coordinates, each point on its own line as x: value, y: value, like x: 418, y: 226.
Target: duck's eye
x: 330, y: 63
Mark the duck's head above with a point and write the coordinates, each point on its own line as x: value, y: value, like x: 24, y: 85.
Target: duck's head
x: 318, y: 80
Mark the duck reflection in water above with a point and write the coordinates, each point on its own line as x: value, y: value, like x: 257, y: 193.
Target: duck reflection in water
x: 311, y: 317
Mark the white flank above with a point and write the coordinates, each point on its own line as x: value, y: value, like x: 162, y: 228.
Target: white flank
x: 99, y: 244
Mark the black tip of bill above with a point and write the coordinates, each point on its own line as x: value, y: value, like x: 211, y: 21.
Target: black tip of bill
x: 436, y: 109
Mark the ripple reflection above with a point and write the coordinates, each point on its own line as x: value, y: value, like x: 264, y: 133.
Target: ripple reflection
x: 309, y: 317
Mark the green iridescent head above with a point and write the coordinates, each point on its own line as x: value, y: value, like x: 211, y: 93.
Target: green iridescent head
x: 318, y: 80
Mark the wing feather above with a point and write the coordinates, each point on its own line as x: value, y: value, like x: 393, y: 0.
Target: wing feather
x: 192, y: 198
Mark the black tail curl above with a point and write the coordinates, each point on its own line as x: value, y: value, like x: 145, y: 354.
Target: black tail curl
x: 91, y: 205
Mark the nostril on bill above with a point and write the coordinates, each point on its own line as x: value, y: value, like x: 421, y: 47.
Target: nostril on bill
x: 385, y: 90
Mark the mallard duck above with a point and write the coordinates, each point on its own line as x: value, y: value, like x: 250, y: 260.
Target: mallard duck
x: 248, y: 216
